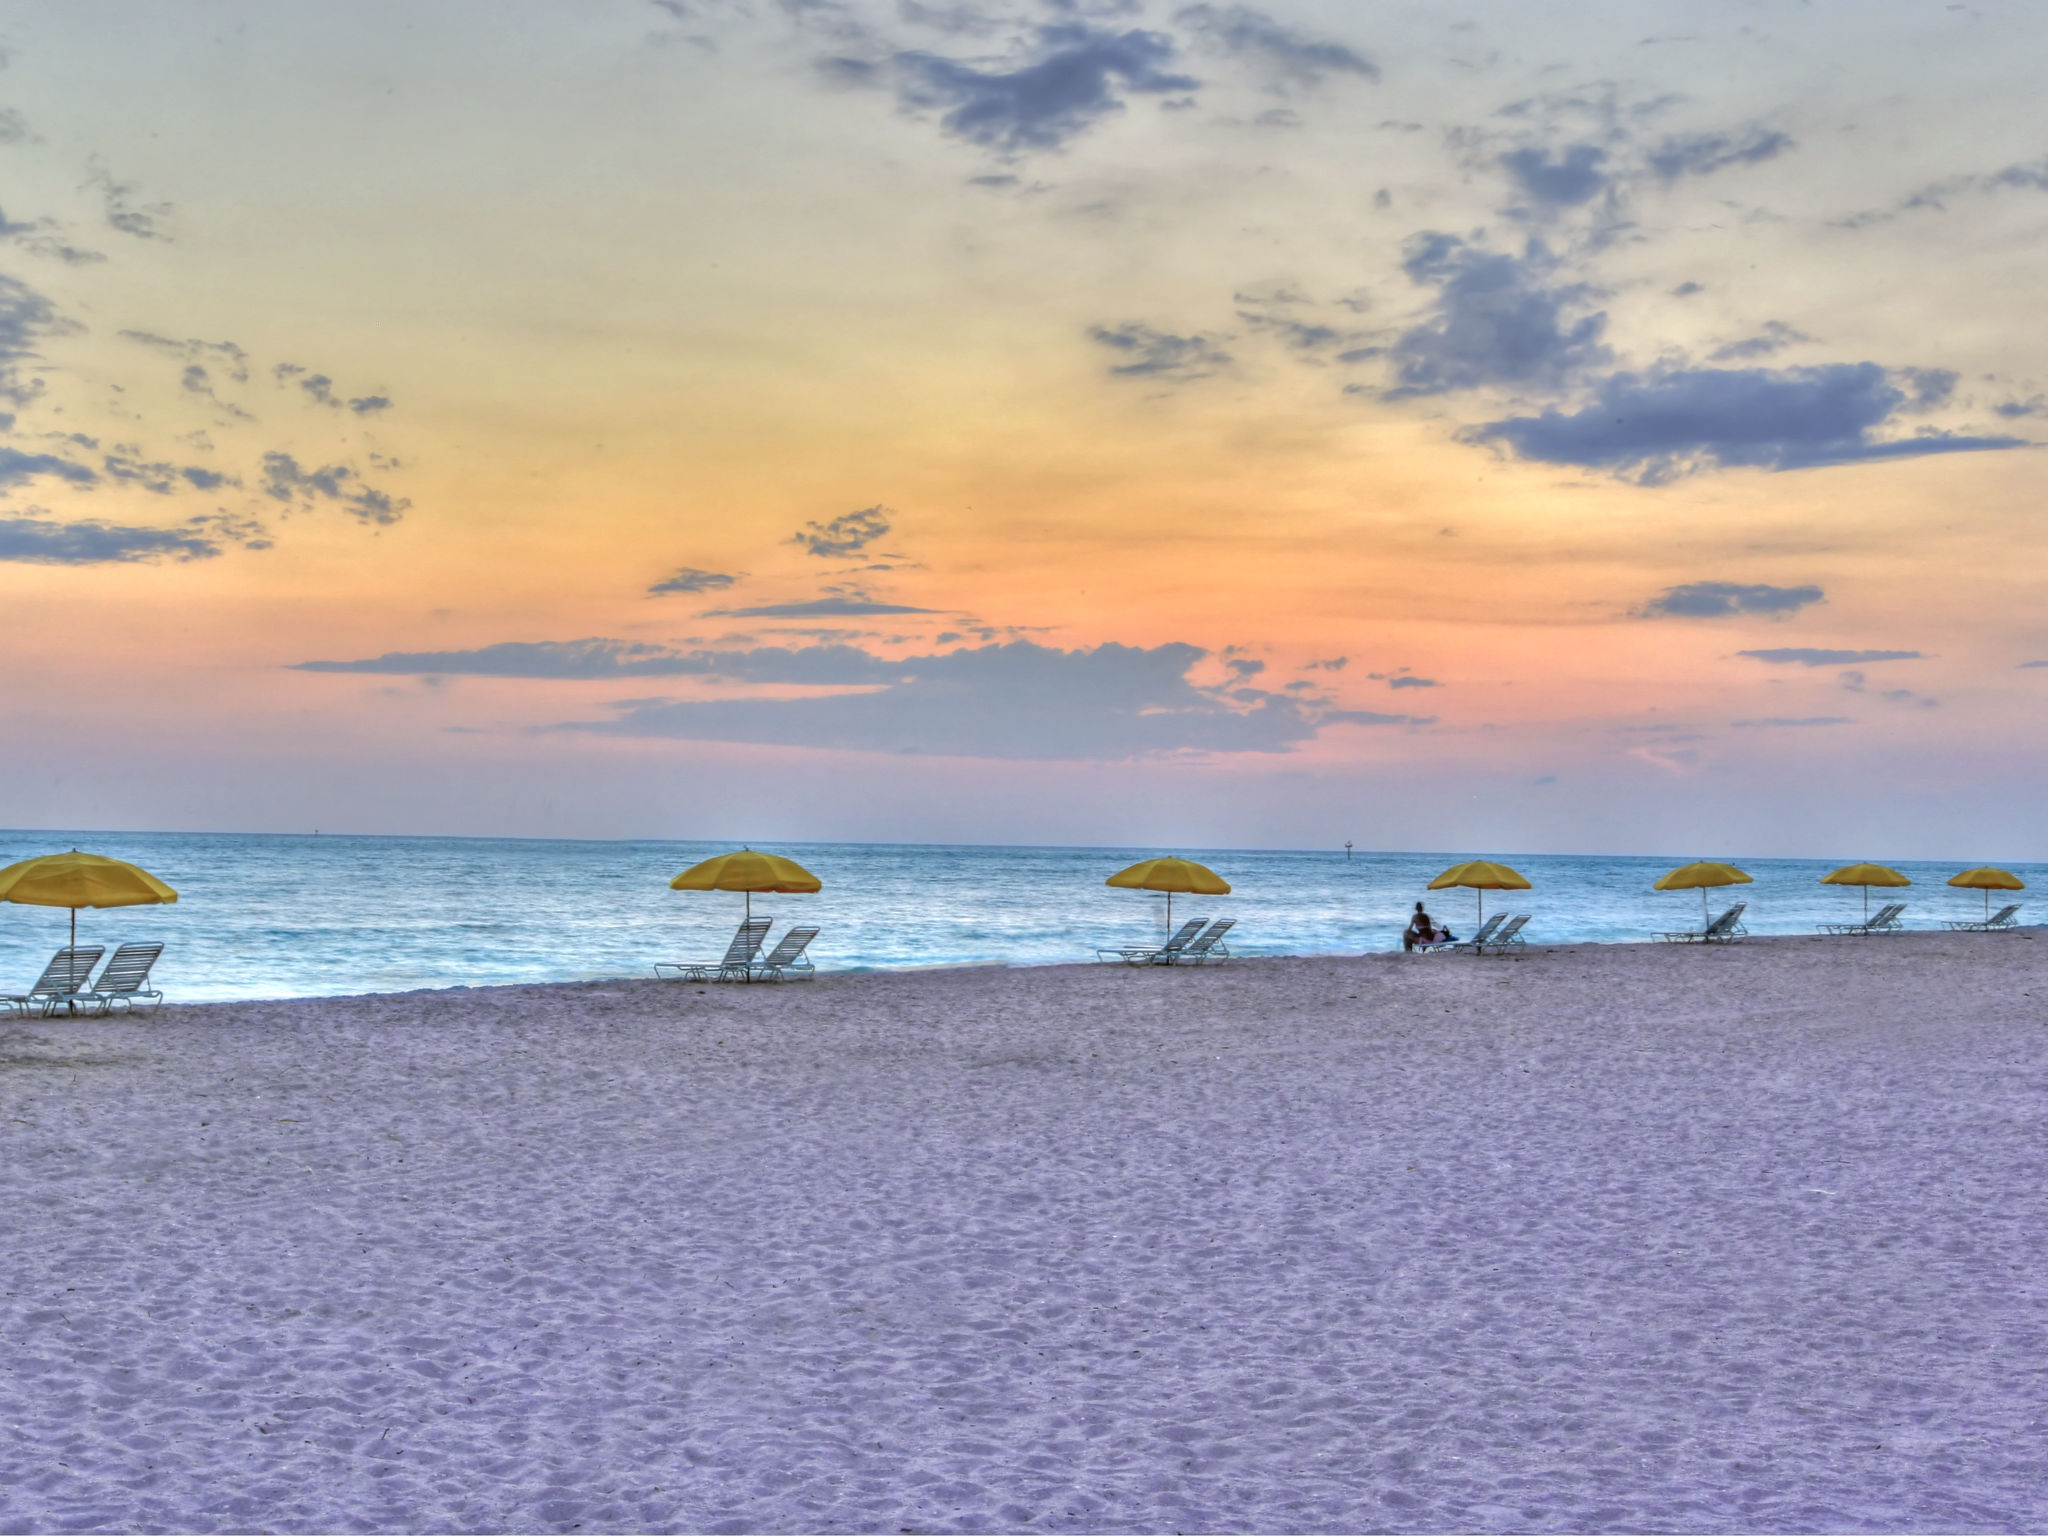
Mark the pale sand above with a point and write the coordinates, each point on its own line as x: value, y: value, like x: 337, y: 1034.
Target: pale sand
x: 1612, y: 1238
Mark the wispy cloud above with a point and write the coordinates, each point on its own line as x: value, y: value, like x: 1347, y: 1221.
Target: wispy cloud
x: 1286, y: 58
x: 822, y: 608
x: 1725, y: 599
x: 847, y: 534
x: 1791, y: 720
x: 1813, y: 656
x: 1152, y: 354
x: 689, y: 580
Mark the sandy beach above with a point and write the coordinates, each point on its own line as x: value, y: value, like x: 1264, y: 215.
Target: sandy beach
x: 1624, y: 1237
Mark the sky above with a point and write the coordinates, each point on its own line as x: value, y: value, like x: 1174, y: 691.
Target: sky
x: 1596, y: 427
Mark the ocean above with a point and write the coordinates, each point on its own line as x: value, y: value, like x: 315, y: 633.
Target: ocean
x: 264, y: 916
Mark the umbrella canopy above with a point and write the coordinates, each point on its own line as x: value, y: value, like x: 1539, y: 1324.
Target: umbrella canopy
x: 77, y: 880
x: 1481, y: 875
x: 1701, y: 877
x: 747, y: 871
x: 1184, y: 876
x: 1986, y: 879
x: 1865, y: 875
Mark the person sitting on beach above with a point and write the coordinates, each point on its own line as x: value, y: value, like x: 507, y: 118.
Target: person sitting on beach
x: 1422, y: 930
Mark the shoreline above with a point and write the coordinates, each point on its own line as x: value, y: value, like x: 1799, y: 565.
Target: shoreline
x: 1035, y: 968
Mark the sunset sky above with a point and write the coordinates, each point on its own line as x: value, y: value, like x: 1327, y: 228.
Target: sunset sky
x: 1589, y: 427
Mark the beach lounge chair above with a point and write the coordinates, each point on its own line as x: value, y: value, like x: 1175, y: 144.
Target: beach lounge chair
x: 2004, y: 918
x: 65, y: 976
x: 124, y: 983
x: 1886, y: 921
x: 1209, y: 946
x: 1509, y: 937
x: 786, y: 959
x: 1165, y: 954
x: 739, y: 956
x: 1477, y: 943
x: 1725, y: 929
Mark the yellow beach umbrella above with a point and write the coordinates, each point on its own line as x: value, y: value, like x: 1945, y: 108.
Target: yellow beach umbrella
x: 77, y: 880
x: 1702, y: 877
x: 1986, y: 879
x: 1170, y: 875
x: 1481, y: 875
x: 1865, y: 875
x: 747, y: 871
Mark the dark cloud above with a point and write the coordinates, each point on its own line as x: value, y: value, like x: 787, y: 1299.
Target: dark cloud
x: 1289, y: 59
x: 1773, y: 720
x: 37, y: 541
x: 1774, y: 337
x: 1566, y: 178
x: 2025, y: 665
x: 1498, y: 320
x: 1329, y: 664
x: 284, y: 480
x: 822, y: 608
x: 1159, y: 354
x: 1702, y: 154
x: 26, y: 319
x: 1657, y: 427
x: 598, y: 659
x: 1725, y: 599
x: 17, y: 468
x: 690, y: 579
x: 847, y: 534
x: 1409, y: 681
x: 1810, y: 656
x: 1066, y: 80
x: 1018, y: 701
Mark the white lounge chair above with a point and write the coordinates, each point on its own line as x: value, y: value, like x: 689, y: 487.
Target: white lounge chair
x: 1886, y: 921
x: 786, y: 959
x: 65, y: 976
x: 1165, y: 954
x: 1479, y: 940
x: 1725, y: 929
x: 124, y: 983
x: 1509, y: 937
x: 739, y: 956
x: 2005, y: 917
x: 1209, y: 946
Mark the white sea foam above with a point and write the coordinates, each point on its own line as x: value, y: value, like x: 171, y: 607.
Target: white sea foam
x: 1615, y: 1238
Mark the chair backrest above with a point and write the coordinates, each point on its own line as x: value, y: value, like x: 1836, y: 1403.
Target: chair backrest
x: 2005, y: 917
x: 1514, y: 927
x: 1486, y: 928
x: 1215, y: 931
x: 1180, y: 940
x: 747, y: 941
x: 68, y: 971
x: 791, y: 945
x: 1727, y: 920
x: 129, y: 968
x: 1888, y: 915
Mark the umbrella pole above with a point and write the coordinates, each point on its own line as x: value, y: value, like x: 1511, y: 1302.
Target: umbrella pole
x: 74, y: 927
